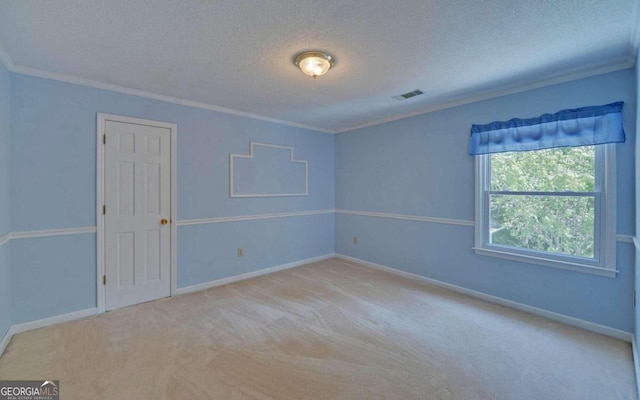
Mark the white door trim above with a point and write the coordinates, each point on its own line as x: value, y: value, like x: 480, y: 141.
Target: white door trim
x: 100, y: 198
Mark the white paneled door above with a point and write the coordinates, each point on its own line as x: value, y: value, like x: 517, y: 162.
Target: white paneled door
x: 137, y: 194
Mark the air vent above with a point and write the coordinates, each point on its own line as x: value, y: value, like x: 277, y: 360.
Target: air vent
x: 408, y: 95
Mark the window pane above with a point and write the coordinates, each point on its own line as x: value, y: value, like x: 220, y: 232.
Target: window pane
x: 544, y: 223
x: 552, y: 170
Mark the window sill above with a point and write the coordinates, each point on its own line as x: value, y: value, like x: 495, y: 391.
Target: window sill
x: 588, y: 269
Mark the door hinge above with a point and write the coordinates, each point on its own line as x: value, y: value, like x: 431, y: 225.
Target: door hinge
x: 104, y: 279
x: 104, y: 210
x: 104, y: 139
x: 634, y: 298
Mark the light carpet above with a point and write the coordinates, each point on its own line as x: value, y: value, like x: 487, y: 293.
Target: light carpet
x: 328, y: 330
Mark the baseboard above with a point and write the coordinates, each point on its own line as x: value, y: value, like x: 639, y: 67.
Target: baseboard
x: 42, y: 323
x: 579, y: 323
x: 590, y: 326
x: 636, y: 363
x: 249, y: 275
x: 5, y: 340
x: 58, y: 319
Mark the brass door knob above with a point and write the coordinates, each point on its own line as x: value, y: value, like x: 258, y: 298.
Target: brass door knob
x: 164, y: 221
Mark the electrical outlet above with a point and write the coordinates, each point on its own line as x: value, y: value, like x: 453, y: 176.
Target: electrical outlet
x: 240, y: 251
x: 355, y: 240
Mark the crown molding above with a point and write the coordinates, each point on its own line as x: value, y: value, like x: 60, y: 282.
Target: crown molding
x: 155, y: 96
x: 6, y: 59
x: 616, y: 65
x: 620, y: 64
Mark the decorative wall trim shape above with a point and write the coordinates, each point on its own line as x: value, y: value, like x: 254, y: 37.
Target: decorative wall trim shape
x: 435, y: 220
x: 232, y: 192
x: 5, y: 238
x: 579, y: 323
x: 52, y: 232
x: 239, y: 218
x: 636, y: 243
x: 249, y: 275
x: 41, y: 323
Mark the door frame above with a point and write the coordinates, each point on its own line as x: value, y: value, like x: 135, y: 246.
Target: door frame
x: 100, y: 199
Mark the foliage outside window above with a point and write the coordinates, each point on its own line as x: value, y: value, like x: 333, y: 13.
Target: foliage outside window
x: 547, y: 206
x: 560, y: 217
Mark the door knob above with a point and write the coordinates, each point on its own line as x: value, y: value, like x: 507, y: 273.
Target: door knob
x: 164, y: 221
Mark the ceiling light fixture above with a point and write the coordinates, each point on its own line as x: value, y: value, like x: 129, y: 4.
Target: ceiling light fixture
x: 314, y: 63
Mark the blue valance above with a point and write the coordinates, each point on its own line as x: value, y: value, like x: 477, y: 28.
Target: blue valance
x: 567, y: 128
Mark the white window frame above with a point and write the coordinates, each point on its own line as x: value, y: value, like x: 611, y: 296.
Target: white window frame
x: 604, y: 262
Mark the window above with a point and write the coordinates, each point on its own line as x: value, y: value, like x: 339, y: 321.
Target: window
x: 545, y: 188
x: 554, y: 207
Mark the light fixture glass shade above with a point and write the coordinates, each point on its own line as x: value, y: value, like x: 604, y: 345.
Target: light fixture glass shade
x: 314, y: 63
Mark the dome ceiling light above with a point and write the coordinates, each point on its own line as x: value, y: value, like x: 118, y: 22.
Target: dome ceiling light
x: 314, y: 63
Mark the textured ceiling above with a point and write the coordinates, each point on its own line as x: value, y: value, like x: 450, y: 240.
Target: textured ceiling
x: 239, y: 54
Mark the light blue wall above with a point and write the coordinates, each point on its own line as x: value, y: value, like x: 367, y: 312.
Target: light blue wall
x: 637, y: 159
x: 265, y: 242
x: 5, y: 276
x: 53, y: 186
x: 52, y: 276
x: 416, y: 166
x: 5, y: 290
x: 5, y: 108
x: 54, y: 145
x: 420, y: 166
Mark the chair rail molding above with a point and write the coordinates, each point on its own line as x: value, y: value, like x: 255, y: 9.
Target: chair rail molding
x: 407, y: 217
x: 622, y: 238
x: 5, y: 238
x: 218, y: 220
x: 52, y: 232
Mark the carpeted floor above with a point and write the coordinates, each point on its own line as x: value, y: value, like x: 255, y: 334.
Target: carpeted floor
x: 328, y: 330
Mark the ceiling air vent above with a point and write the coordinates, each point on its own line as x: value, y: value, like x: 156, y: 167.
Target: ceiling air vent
x: 408, y: 95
